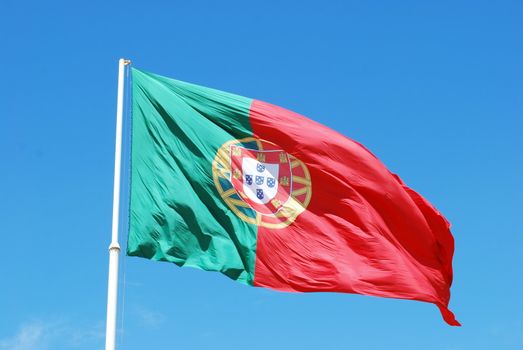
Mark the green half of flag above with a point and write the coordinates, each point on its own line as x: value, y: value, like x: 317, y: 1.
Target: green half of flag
x: 176, y: 213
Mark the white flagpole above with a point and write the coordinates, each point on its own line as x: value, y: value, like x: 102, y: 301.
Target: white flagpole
x: 114, y: 247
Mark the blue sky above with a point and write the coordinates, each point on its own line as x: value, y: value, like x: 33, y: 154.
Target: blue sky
x: 433, y: 88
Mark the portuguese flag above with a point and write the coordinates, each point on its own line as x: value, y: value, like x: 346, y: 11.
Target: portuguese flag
x: 272, y: 199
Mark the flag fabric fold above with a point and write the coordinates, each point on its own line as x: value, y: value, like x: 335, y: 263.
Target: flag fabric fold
x: 273, y: 199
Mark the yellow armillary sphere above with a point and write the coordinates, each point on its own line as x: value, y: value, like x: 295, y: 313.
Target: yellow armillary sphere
x: 262, y: 184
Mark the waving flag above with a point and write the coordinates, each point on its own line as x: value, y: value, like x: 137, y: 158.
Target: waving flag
x: 272, y: 199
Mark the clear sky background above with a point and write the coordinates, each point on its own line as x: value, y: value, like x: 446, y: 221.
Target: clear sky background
x: 433, y: 88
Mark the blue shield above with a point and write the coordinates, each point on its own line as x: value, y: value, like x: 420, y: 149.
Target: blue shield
x: 248, y: 179
x: 260, y: 167
x: 271, y: 182
x: 259, y: 180
x: 259, y: 194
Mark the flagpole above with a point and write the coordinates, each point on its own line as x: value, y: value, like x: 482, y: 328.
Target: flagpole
x: 114, y: 247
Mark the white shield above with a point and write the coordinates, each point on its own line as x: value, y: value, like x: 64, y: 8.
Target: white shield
x: 260, y: 180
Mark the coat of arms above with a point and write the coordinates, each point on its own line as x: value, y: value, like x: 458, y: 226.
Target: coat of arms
x: 261, y: 183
